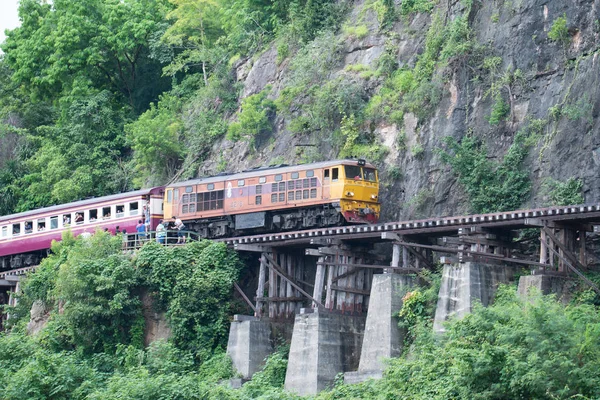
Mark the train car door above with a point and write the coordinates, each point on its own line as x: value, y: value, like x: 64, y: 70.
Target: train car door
x: 326, y: 184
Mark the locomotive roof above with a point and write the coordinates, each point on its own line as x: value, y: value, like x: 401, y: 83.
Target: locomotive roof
x: 263, y: 171
x: 81, y: 203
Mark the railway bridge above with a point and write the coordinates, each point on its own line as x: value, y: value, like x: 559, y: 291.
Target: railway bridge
x: 334, y: 292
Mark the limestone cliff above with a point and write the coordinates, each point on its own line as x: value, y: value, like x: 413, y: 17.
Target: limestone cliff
x: 530, y: 65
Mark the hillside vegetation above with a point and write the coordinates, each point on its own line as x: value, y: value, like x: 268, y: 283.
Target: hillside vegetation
x: 466, y: 106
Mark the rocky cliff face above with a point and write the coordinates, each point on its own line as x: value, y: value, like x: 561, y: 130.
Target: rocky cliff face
x: 532, y: 62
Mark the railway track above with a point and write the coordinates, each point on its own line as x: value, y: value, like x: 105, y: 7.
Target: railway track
x: 439, y: 225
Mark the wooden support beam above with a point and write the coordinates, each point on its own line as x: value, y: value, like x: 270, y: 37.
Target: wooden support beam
x: 241, y: 292
x: 566, y: 252
x: 543, y: 247
x: 369, y: 266
x: 474, y: 240
x: 395, y: 257
x: 582, y: 256
x: 350, y: 290
x: 325, y: 241
x: 280, y: 299
x: 271, y: 264
x: 346, y: 274
x: 251, y: 247
x: 319, y: 281
x: 575, y: 270
x: 326, y: 251
x: 419, y: 257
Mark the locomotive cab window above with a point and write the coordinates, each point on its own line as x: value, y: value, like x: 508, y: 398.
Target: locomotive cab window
x: 169, y: 196
x: 16, y: 228
x: 326, y: 175
x: 370, y: 174
x: 335, y: 174
x: 28, y: 226
x: 54, y: 222
x: 353, y: 172
x: 41, y: 224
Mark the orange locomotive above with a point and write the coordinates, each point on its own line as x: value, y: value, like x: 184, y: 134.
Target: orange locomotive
x: 279, y: 198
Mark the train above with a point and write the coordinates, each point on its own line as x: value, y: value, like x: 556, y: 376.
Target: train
x: 264, y: 199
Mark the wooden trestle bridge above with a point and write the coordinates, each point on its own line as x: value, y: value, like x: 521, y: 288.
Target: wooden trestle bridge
x: 332, y: 268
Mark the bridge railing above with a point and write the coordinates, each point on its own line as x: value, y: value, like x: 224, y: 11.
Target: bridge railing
x: 132, y: 241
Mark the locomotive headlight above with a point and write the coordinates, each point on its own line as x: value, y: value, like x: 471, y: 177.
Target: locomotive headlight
x: 350, y: 194
x: 374, y: 196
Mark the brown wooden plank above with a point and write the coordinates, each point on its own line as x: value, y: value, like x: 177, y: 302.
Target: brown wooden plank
x: 273, y: 266
x: 241, y: 292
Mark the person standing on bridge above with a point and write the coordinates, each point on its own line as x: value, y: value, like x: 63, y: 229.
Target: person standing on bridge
x: 161, y: 232
x: 180, y: 227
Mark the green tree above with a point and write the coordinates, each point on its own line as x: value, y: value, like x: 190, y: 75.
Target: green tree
x: 157, y: 140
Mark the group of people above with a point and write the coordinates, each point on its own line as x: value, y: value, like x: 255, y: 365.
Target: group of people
x: 162, y: 227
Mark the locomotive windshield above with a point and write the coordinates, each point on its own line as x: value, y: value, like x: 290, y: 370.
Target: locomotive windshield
x: 370, y: 175
x: 353, y: 172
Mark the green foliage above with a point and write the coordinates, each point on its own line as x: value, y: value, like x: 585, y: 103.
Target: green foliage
x: 559, y: 32
x: 156, y: 138
x: 269, y: 381
x: 563, y: 193
x: 358, y: 145
x: 358, y: 32
x: 416, y: 6
x: 419, y: 90
x: 491, y: 186
x: 254, y: 118
x: 500, y: 110
x: 194, y: 285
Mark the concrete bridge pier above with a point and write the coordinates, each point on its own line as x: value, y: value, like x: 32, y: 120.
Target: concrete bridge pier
x: 324, y: 343
x: 463, y: 285
x: 249, y: 344
x: 383, y: 337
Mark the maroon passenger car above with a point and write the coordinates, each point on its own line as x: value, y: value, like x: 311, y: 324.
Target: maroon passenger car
x: 26, y: 236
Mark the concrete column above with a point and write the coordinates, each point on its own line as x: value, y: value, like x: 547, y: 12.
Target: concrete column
x: 249, y: 344
x: 383, y: 338
x: 462, y: 285
x: 323, y: 345
x: 561, y: 286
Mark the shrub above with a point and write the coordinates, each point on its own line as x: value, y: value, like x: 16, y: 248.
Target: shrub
x: 563, y: 193
x: 254, y: 118
x: 491, y: 186
x: 358, y: 32
x: 559, y: 32
x: 500, y: 110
